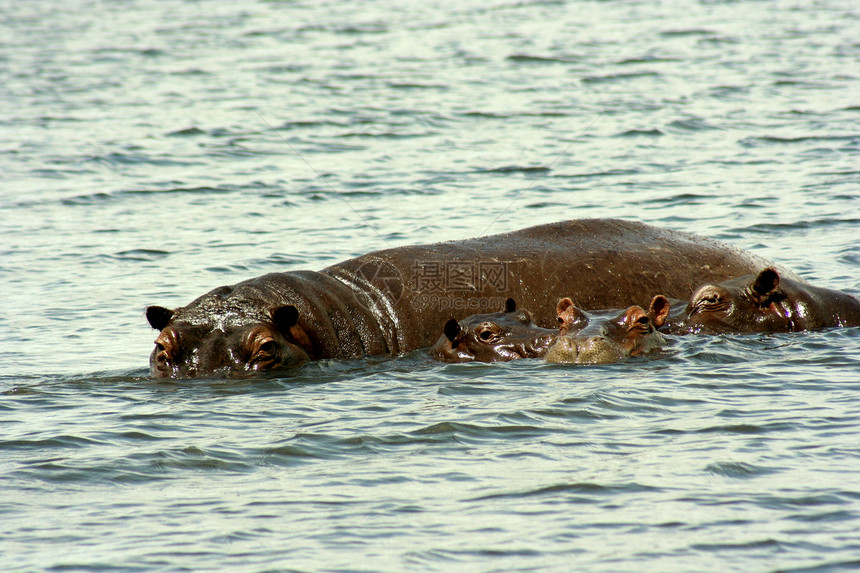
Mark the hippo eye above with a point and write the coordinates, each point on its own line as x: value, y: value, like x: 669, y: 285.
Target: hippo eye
x: 268, y: 347
x: 265, y: 355
x: 161, y: 357
x: 708, y: 300
x: 488, y: 335
x: 644, y: 320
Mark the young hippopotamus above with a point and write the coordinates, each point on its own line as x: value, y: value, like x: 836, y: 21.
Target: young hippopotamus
x: 509, y: 335
x: 494, y: 337
x: 765, y: 303
x: 590, y: 340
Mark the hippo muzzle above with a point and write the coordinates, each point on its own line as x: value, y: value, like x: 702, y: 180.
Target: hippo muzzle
x: 607, y: 339
x: 585, y: 350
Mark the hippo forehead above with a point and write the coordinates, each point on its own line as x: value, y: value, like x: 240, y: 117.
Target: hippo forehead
x: 497, y: 317
x: 221, y: 315
x: 599, y: 323
x: 213, y: 353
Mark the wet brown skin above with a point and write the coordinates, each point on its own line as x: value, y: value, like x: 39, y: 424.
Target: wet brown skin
x: 765, y: 302
x: 581, y: 338
x: 493, y: 337
x: 607, y: 339
x: 388, y: 302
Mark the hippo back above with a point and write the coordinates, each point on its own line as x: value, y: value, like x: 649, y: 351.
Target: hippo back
x: 609, y: 263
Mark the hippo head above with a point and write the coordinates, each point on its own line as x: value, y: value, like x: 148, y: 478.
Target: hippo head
x: 193, y: 344
x: 765, y: 303
x: 604, y: 339
x: 494, y: 337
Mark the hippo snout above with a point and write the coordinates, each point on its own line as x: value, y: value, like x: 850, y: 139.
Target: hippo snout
x: 588, y: 350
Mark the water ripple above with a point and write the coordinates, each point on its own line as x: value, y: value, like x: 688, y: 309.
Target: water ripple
x: 583, y: 492
x: 739, y: 470
x: 138, y: 169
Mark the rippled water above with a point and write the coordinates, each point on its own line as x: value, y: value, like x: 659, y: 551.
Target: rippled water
x: 152, y: 151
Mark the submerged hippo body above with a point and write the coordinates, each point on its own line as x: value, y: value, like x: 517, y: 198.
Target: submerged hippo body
x: 610, y: 338
x: 397, y: 300
x: 765, y: 302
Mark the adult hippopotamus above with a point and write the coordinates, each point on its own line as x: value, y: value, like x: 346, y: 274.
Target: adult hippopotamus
x: 396, y: 300
x: 493, y: 337
x: 765, y: 302
x: 611, y: 338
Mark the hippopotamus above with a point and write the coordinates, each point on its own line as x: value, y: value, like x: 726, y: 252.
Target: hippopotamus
x: 493, y: 337
x: 397, y: 300
x: 511, y: 334
x: 765, y: 302
x: 610, y: 338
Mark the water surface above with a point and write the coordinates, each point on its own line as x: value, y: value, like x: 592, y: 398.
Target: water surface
x: 153, y: 151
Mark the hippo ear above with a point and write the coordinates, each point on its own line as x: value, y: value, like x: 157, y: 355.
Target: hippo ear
x: 285, y: 317
x: 158, y: 316
x: 568, y: 315
x: 452, y: 329
x: 510, y: 305
x: 659, y: 310
x: 563, y: 305
x: 765, y: 284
